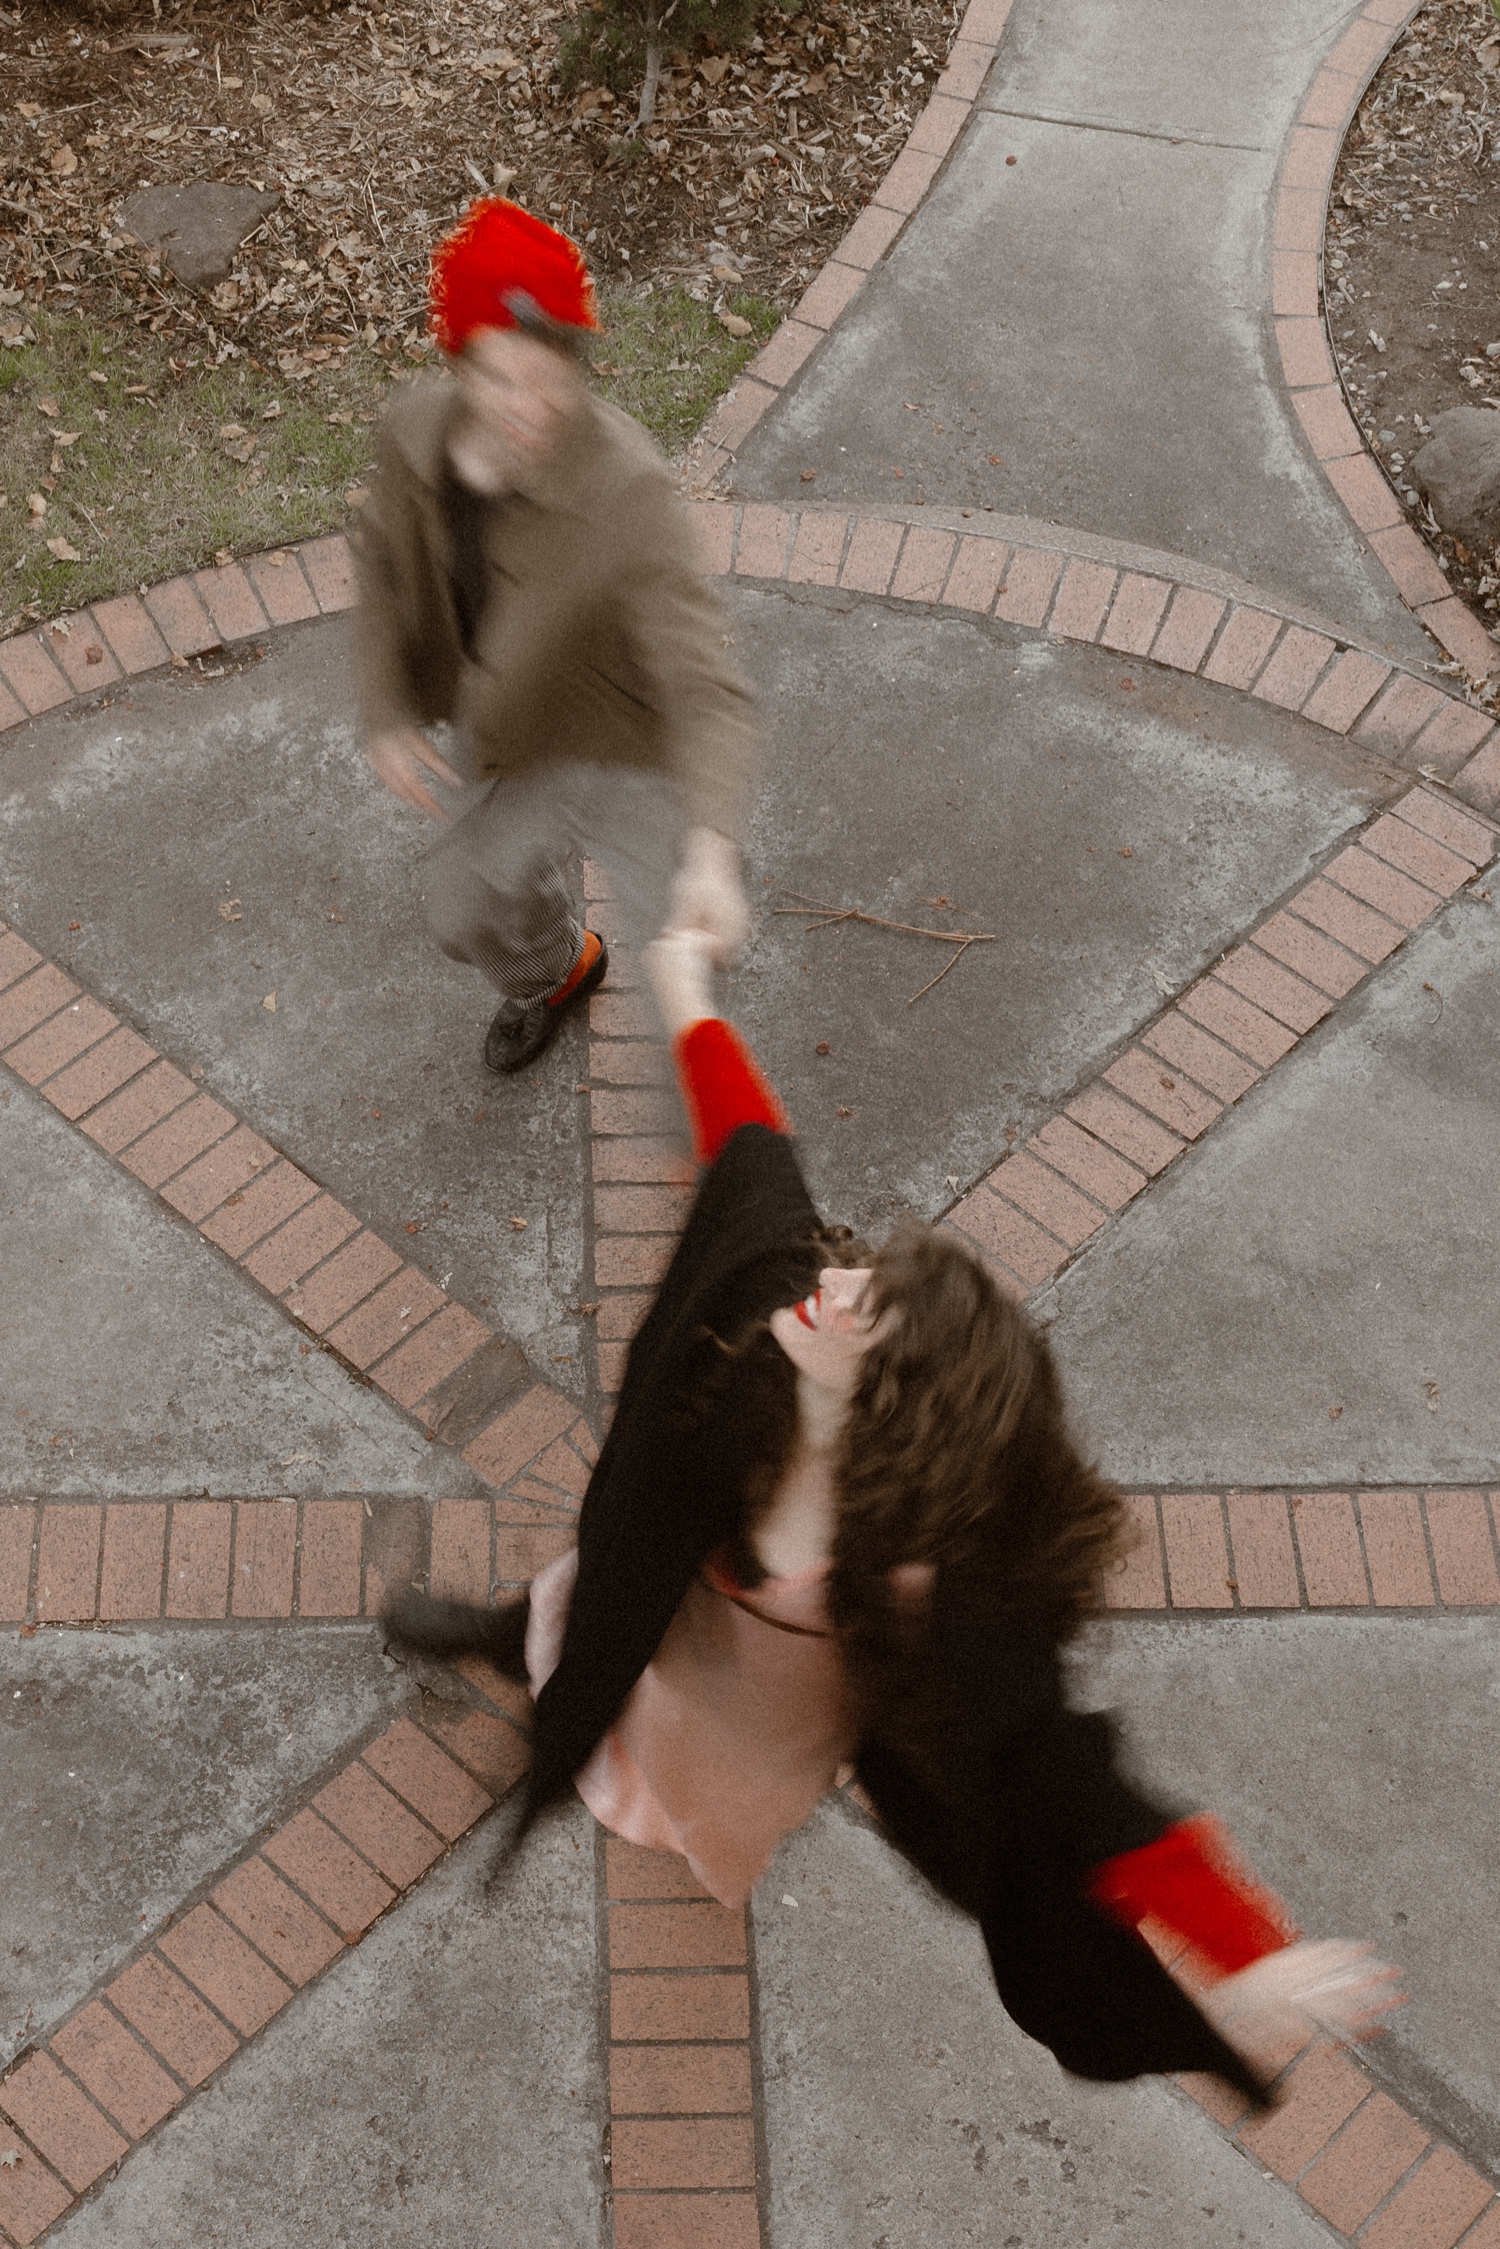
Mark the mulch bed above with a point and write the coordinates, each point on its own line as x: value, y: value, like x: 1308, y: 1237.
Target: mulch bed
x: 376, y: 126
x: 1412, y: 256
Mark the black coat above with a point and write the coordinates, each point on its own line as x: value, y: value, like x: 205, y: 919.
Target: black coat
x: 1040, y: 1798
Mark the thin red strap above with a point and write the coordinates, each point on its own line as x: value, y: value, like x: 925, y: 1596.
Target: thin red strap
x: 1192, y: 1880
x: 722, y: 1087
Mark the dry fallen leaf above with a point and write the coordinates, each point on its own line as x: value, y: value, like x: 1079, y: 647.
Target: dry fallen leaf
x: 63, y: 550
x: 263, y: 103
x: 269, y: 1003
x: 63, y: 162
x: 37, y: 505
x: 733, y: 325
x: 519, y: 1225
x: 47, y: 406
x: 231, y: 909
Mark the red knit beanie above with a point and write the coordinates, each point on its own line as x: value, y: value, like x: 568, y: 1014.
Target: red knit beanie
x: 503, y: 268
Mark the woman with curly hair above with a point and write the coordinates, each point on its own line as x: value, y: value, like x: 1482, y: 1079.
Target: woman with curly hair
x: 839, y: 1521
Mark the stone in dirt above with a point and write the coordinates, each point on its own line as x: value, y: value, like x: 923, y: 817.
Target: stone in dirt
x: 1458, y: 470
x: 197, y: 228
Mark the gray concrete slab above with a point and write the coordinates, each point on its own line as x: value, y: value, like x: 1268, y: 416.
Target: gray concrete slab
x: 139, y: 823
x: 904, y: 2108
x: 135, y: 1762
x: 1351, y: 1756
x: 1310, y: 1296
x: 918, y: 757
x: 1086, y: 331
x: 135, y: 1360
x: 1160, y: 68
x: 441, y: 2084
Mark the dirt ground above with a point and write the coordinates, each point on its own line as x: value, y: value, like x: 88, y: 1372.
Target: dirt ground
x: 376, y: 125
x: 1412, y: 255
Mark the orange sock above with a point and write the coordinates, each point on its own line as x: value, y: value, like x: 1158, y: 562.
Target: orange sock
x: 592, y: 948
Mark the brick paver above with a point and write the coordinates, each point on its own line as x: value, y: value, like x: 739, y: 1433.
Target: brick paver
x: 172, y: 2019
x: 198, y: 1559
x: 230, y: 1974
x: 295, y: 1939
x: 327, y: 1871
x: 379, y: 1826
x: 61, y: 2122
x: 110, y: 2062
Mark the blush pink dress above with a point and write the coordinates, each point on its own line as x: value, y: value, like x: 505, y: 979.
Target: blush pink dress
x: 734, y: 1731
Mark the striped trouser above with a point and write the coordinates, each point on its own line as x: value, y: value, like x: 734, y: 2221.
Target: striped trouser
x: 525, y: 938
x: 498, y: 893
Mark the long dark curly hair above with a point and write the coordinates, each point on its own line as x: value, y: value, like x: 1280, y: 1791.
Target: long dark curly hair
x: 956, y: 1453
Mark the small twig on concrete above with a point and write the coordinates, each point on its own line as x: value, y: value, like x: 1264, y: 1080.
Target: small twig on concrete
x: 961, y: 938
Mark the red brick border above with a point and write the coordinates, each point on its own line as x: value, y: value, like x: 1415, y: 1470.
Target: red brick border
x: 1139, y: 604
x: 1131, y: 600
x: 1308, y: 362
x: 74, y: 2105
x: 839, y: 280
x: 1042, y: 1203
x: 463, y: 1383
x: 89, y: 649
x: 317, y: 1559
x: 1352, y: 2154
x: 1229, y: 1551
x: 683, y: 2090
x: 1252, y: 1552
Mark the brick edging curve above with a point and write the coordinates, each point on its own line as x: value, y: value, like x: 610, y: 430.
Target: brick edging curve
x: 1424, y: 1550
x: 1136, y: 601
x: 844, y: 272
x: 1304, y: 186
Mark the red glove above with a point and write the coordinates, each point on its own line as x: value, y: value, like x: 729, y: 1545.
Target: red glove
x: 722, y: 1087
x: 1191, y: 1879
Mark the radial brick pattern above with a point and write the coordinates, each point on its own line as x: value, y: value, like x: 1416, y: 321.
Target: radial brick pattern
x: 681, y: 2070
x: 217, y: 1974
x: 1255, y: 1550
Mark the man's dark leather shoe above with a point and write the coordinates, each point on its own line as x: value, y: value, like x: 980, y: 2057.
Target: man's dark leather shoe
x: 523, y: 1029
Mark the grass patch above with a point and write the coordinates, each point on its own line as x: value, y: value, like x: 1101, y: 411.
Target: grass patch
x: 665, y: 358
x: 168, y: 467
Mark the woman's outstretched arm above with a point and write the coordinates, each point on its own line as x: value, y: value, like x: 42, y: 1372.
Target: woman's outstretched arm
x: 1263, y: 1980
x: 722, y: 1086
x: 1190, y: 1881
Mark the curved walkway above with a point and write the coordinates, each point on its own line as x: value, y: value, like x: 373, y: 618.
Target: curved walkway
x: 1218, y: 1099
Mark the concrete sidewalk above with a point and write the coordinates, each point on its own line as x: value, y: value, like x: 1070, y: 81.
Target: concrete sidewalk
x: 1302, y: 1298
x: 1076, y: 325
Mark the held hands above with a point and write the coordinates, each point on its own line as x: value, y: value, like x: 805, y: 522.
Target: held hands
x: 706, y: 894
x: 1334, y: 1985
x: 399, y: 756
